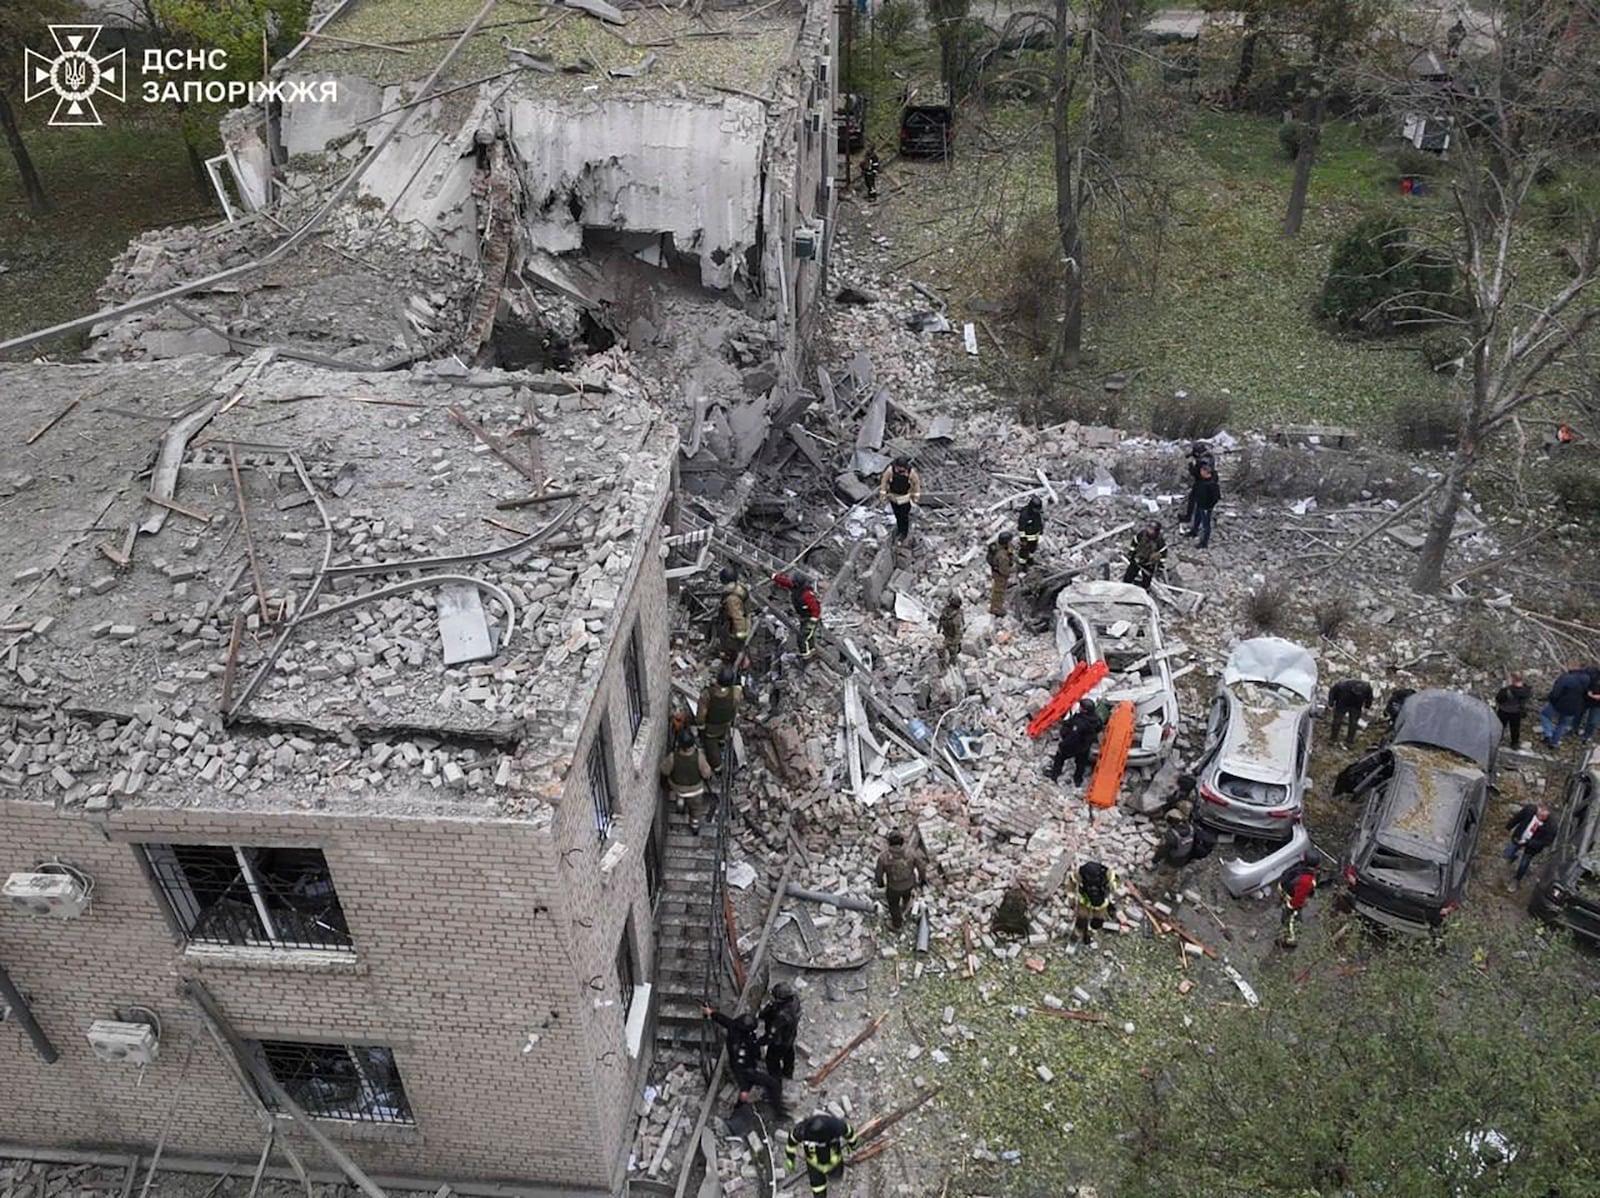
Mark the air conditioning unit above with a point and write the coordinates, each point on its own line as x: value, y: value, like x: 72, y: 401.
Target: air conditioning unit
x: 822, y: 71
x: 124, y: 1043
x: 816, y: 122
x: 807, y: 243
x: 61, y: 895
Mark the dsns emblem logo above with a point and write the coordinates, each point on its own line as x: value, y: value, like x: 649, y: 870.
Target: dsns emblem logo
x: 75, y: 76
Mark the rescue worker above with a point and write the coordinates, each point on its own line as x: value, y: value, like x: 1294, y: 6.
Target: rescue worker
x: 781, y: 1017
x: 1183, y: 842
x: 900, y: 870
x: 1079, y: 733
x: 1199, y: 455
x: 744, y: 1058
x: 1348, y: 699
x: 1096, y: 885
x: 1298, y: 884
x: 824, y: 1139
x: 719, y: 707
x: 1002, y: 561
x: 1030, y: 527
x: 1146, y: 555
x: 900, y: 486
x: 1183, y: 791
x: 951, y: 627
x: 869, y: 173
x: 735, y: 616
x: 687, y: 772
x: 807, y: 609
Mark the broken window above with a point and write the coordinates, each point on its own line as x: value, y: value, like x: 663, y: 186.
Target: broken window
x: 633, y: 683
x: 359, y: 1082
x: 1250, y: 791
x: 257, y: 897
x: 652, y: 864
x: 626, y: 977
x: 601, y: 790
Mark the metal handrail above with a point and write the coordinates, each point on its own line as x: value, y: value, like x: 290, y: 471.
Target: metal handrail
x: 717, y: 957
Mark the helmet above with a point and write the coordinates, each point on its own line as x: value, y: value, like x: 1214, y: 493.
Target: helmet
x: 1005, y: 537
x: 1086, y: 706
x: 1034, y: 503
x: 729, y: 574
x: 745, y: 1023
x: 954, y: 601
x: 897, y: 837
x: 1199, y: 449
x: 783, y: 992
x: 802, y: 583
x: 727, y: 676
x: 902, y: 461
x: 685, y: 738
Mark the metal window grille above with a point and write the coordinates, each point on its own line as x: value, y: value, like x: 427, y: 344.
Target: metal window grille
x: 600, y: 788
x: 652, y: 864
x: 259, y: 897
x: 355, y: 1082
x: 633, y: 683
x: 625, y: 973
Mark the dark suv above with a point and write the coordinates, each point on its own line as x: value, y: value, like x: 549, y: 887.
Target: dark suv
x: 1407, y: 865
x: 1568, y: 890
x: 927, y: 122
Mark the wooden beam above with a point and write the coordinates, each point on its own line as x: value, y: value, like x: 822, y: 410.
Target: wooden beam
x: 53, y: 421
x: 496, y: 446
x: 173, y: 506
x: 861, y: 1038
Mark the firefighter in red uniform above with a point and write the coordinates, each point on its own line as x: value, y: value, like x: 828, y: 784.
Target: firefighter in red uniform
x: 807, y: 609
x: 1298, y: 884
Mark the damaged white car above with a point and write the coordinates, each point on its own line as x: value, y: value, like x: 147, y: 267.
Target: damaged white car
x: 1119, y: 624
x: 1257, y: 760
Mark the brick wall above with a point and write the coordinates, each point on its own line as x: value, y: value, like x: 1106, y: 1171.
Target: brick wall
x: 469, y: 935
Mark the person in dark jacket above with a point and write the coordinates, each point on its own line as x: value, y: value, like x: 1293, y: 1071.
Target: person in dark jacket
x: 1097, y: 889
x: 1397, y: 700
x: 1079, y: 732
x: 1148, y: 551
x: 1563, y: 707
x: 1199, y: 455
x: 1348, y: 699
x: 1591, y: 707
x: 1206, y: 494
x: 1531, y: 830
x: 1511, y: 704
x: 824, y: 1139
x: 780, y: 1016
x: 1030, y: 527
x: 744, y: 1058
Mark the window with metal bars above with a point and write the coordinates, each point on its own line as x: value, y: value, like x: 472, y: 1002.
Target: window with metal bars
x: 248, y: 896
x: 633, y: 683
x: 601, y: 790
x: 357, y: 1082
x: 652, y: 864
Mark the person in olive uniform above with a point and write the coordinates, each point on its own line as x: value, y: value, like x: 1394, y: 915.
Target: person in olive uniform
x: 735, y: 616
x: 1002, y: 563
x: 900, y: 871
x: 687, y: 771
x: 951, y: 627
x: 1146, y: 555
x: 719, y: 707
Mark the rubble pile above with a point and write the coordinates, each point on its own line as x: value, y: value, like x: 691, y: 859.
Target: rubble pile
x: 667, y: 1112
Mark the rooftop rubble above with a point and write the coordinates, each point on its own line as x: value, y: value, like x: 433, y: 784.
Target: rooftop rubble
x: 114, y: 670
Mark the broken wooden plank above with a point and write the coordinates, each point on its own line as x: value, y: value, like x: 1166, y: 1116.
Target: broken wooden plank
x: 244, y: 527
x: 232, y: 664
x: 861, y: 1038
x: 112, y: 553
x: 505, y: 505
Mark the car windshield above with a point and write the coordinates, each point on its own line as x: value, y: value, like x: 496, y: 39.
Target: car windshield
x: 1403, y: 870
x: 1248, y: 790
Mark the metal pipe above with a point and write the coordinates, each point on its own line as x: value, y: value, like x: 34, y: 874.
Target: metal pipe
x: 844, y: 901
x: 212, y: 1166
x: 294, y: 239
x: 166, y: 1127
x: 24, y: 1013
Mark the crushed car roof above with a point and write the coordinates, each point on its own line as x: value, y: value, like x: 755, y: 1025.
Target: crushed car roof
x: 1092, y: 592
x: 1423, y: 800
x: 1273, y: 660
x: 1449, y: 720
x: 1260, y: 742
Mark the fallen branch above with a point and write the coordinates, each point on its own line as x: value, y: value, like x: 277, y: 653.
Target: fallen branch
x: 1497, y: 559
x: 861, y: 1038
x: 1392, y: 518
x: 874, y: 1128
x: 53, y: 421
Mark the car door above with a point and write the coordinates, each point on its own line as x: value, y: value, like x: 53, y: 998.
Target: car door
x: 1466, y: 844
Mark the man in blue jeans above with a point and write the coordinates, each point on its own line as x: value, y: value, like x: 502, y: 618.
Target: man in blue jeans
x: 1563, y: 708
x: 1205, y: 495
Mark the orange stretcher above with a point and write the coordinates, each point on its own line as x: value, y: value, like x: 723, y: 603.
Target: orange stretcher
x: 1114, y: 745
x: 1079, y: 683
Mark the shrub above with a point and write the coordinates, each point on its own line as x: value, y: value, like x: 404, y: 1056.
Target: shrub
x: 1331, y: 613
x: 1426, y: 422
x: 1030, y: 285
x: 895, y: 19
x: 1329, y: 476
x: 1576, y: 482
x: 1291, y: 136
x: 1267, y: 606
x: 1190, y: 417
x: 1382, y: 280
x: 1411, y: 163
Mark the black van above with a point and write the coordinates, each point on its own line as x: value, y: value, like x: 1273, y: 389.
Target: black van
x: 927, y: 122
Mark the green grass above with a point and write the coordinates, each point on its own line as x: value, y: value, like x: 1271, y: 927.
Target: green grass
x: 106, y: 186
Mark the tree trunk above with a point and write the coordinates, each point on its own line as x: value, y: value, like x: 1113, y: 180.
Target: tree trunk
x: 1069, y: 343
x: 1247, y: 58
x: 37, y: 203
x: 1110, y: 133
x: 1430, y: 567
x: 1303, y: 162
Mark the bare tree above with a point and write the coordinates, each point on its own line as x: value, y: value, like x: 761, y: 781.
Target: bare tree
x: 1515, y: 108
x: 19, y: 21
